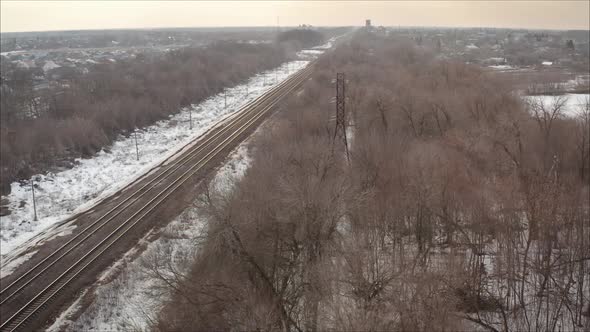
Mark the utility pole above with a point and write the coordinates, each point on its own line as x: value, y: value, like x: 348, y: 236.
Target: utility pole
x: 34, y: 202
x: 136, y: 147
x: 224, y: 98
x: 340, y: 130
x: 190, y: 117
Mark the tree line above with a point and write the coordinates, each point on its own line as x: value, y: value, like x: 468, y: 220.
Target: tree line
x: 461, y: 208
x: 85, y: 113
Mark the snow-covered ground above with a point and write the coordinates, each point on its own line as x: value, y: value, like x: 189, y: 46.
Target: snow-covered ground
x: 7, y: 269
x: 575, y: 102
x: 127, y: 296
x: 501, y: 67
x: 309, y: 53
x: 63, y: 194
x: 328, y: 44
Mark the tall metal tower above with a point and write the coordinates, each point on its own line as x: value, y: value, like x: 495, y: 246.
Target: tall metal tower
x: 340, y: 130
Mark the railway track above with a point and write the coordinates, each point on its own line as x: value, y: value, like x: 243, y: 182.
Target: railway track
x: 35, y: 290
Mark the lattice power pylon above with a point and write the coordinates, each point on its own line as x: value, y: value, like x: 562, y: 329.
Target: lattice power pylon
x: 340, y: 131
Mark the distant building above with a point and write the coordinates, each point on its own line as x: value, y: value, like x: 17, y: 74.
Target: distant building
x: 368, y: 23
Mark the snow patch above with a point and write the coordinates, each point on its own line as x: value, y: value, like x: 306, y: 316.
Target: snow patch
x: 501, y: 67
x: 49, y: 65
x: 575, y: 102
x: 327, y: 45
x: 7, y: 269
x: 132, y: 299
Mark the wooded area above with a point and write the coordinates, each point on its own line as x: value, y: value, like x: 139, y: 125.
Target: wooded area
x: 462, y: 207
x: 85, y: 112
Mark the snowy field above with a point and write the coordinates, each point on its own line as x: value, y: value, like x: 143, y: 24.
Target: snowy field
x: 60, y: 195
x: 575, y: 102
x: 133, y: 297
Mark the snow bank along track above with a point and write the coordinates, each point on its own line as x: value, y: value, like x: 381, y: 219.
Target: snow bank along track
x: 24, y: 299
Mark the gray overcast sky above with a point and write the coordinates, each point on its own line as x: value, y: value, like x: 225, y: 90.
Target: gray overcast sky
x: 38, y: 15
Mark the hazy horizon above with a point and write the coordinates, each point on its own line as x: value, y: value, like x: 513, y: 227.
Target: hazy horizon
x: 282, y: 26
x: 40, y: 16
